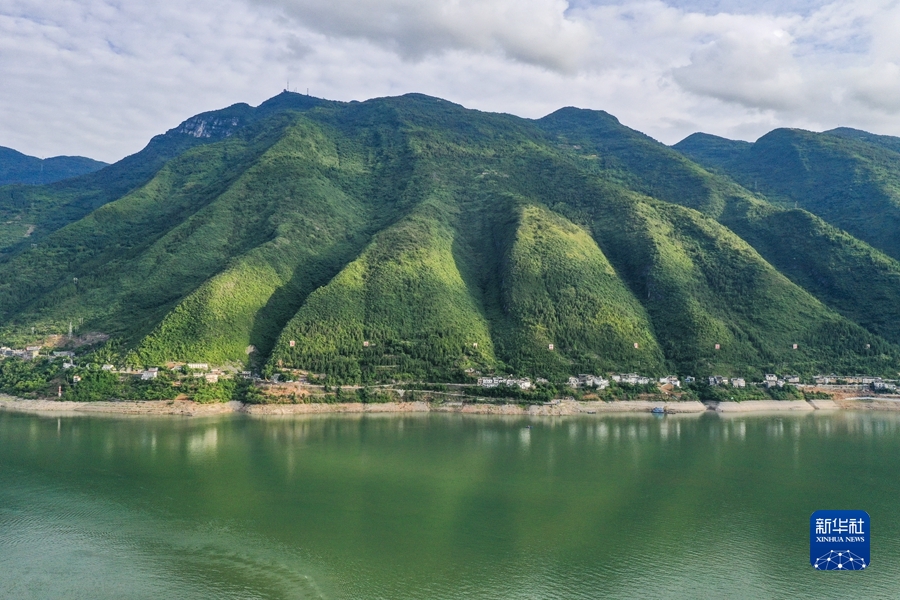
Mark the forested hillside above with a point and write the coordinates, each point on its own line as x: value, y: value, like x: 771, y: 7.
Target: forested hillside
x: 16, y: 167
x: 410, y: 238
x: 849, y: 178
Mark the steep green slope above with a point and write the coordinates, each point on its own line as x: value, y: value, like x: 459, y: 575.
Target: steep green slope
x: 850, y: 183
x: 16, y: 167
x: 702, y: 285
x: 705, y: 286
x: 452, y: 240
x: 886, y: 141
x: 838, y: 270
x: 713, y: 152
x: 136, y: 256
x: 560, y: 289
x: 856, y: 280
x: 402, y: 309
x: 636, y: 161
x: 28, y: 213
x: 316, y: 228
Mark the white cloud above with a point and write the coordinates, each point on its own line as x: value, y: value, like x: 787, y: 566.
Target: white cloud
x: 100, y: 77
x: 756, y: 69
x: 531, y: 31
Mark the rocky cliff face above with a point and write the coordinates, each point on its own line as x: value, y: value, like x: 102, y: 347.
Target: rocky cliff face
x: 210, y: 127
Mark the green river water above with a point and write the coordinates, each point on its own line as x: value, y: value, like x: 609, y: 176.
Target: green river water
x: 441, y: 506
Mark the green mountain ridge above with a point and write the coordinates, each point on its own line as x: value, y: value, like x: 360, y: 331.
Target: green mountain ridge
x: 409, y: 238
x: 850, y: 182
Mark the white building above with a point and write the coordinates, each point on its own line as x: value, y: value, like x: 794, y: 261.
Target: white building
x: 631, y: 379
x: 491, y: 382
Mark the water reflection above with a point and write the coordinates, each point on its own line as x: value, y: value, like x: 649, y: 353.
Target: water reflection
x: 450, y: 506
x: 202, y: 444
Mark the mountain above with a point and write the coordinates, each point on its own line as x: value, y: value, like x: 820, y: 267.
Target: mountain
x: 850, y: 179
x: 16, y: 167
x: 28, y: 213
x: 886, y: 141
x: 411, y: 238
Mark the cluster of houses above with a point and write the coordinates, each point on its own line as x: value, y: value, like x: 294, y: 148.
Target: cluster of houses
x: 846, y: 379
x: 601, y: 383
x: 591, y: 381
x: 28, y: 353
x: 586, y: 380
x: 718, y: 380
x: 32, y: 352
x: 876, y: 383
x: 583, y: 380
x: 739, y: 382
x: 198, y: 370
x: 194, y: 369
x: 523, y: 383
x: 631, y: 379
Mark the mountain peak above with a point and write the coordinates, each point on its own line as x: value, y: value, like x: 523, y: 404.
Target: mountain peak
x: 16, y: 167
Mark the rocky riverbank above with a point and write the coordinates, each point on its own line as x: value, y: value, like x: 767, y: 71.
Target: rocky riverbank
x: 764, y: 406
x: 186, y: 408
x: 549, y: 410
x: 146, y: 407
x: 193, y: 409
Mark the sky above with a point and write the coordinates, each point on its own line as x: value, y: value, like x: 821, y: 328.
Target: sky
x: 99, y: 78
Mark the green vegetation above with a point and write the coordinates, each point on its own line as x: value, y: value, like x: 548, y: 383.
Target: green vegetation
x: 709, y: 393
x: 16, y: 167
x: 27, y: 378
x: 505, y: 394
x: 44, y: 378
x: 401, y: 310
x: 846, y: 274
x: 562, y: 290
x: 851, y: 180
x: 409, y: 239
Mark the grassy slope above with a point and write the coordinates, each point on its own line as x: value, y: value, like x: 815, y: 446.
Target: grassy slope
x: 699, y: 282
x: 853, y: 278
x: 292, y: 196
x: 849, y: 182
x: 705, y: 286
x: 46, y: 208
x: 849, y: 276
x: 406, y: 297
x: 482, y: 235
x: 49, y: 207
x: 561, y: 289
x: 130, y: 255
x: 887, y: 141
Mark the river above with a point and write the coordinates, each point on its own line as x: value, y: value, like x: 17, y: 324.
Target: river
x: 441, y: 506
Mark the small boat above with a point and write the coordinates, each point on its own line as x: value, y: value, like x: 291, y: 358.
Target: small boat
x: 658, y: 410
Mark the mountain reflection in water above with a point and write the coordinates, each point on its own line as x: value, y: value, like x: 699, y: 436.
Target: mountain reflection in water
x: 440, y: 506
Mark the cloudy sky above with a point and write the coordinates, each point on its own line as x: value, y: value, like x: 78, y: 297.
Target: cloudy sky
x: 100, y: 77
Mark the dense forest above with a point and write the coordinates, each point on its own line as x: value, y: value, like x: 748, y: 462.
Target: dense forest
x: 411, y: 239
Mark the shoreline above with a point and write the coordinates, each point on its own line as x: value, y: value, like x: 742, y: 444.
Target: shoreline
x: 193, y: 409
x: 566, y: 408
